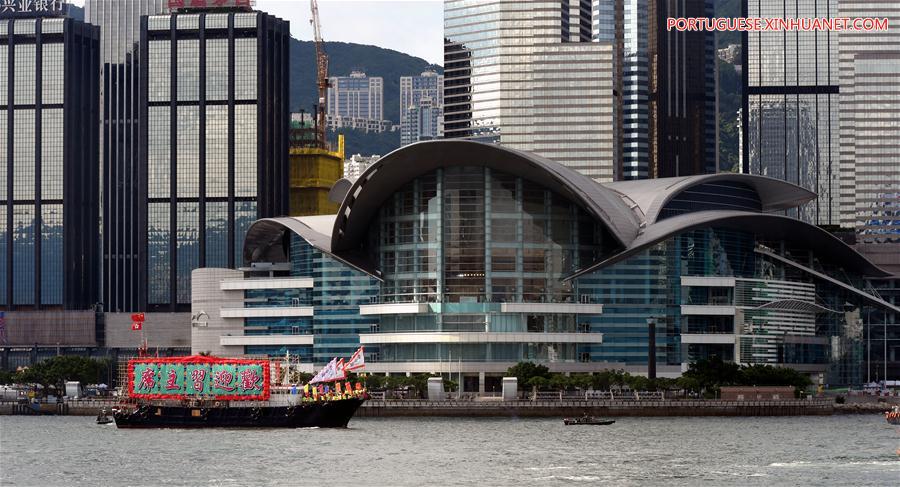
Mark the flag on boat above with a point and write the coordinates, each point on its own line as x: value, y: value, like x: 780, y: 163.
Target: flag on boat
x: 340, y: 372
x: 357, y: 361
x: 327, y: 373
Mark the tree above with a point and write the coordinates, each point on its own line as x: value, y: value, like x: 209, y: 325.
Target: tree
x: 524, y: 371
x: 55, y: 371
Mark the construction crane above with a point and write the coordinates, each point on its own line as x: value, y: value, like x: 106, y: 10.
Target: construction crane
x: 321, y: 74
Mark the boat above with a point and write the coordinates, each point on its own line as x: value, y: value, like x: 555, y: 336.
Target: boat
x: 103, y: 417
x: 588, y: 420
x: 893, y: 416
x: 207, y: 392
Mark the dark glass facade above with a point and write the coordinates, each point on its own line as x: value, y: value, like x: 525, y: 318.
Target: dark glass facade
x: 119, y: 23
x: 214, y: 121
x: 49, y: 236
x: 669, y: 117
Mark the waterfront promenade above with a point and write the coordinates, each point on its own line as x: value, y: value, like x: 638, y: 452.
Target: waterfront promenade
x: 537, y: 408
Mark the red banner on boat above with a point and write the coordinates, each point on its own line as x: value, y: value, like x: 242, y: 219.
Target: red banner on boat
x: 198, y: 376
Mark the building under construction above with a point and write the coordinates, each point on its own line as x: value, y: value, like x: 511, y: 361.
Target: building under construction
x: 314, y: 168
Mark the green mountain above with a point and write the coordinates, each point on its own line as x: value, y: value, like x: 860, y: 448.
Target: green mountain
x: 345, y: 57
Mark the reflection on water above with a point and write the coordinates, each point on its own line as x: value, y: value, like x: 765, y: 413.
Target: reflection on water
x: 840, y: 450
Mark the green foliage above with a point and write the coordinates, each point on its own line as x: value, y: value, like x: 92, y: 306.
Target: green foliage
x: 729, y: 124
x: 359, y: 142
x: 525, y: 371
x: 6, y: 377
x: 709, y: 375
x: 56, y: 371
x: 450, y: 385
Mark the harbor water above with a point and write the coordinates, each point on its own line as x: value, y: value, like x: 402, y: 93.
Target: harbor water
x: 765, y: 451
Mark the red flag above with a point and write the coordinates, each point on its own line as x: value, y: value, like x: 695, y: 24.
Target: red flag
x: 137, y: 317
x: 136, y: 326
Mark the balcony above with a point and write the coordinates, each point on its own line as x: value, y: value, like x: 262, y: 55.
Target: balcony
x: 707, y: 310
x: 267, y: 312
x: 276, y: 340
x: 478, y: 337
x: 266, y: 283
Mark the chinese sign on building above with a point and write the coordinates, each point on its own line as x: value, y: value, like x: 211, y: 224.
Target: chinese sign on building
x: 31, y: 8
x: 186, y: 377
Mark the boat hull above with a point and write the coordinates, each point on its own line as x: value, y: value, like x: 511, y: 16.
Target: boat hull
x: 321, y: 414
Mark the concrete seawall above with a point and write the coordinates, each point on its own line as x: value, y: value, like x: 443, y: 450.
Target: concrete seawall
x: 597, y: 408
x: 610, y: 408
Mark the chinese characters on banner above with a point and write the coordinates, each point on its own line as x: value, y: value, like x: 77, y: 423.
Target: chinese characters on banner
x: 184, y: 377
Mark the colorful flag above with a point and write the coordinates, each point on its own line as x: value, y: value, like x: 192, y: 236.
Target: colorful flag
x: 337, y: 387
x: 357, y: 361
x: 326, y: 373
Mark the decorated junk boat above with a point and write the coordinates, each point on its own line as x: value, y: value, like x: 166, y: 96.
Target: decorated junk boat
x: 202, y: 392
x: 893, y: 416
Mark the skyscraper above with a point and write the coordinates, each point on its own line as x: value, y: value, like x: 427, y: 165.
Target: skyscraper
x: 790, y: 106
x: 669, y: 119
x: 421, y: 107
x: 526, y: 75
x: 355, y: 100
x: 214, y: 141
x: 869, y: 71
x: 48, y: 160
x: 119, y: 23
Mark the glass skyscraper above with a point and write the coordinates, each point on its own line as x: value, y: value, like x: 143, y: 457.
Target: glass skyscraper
x: 869, y: 73
x: 669, y: 119
x: 791, y: 106
x: 526, y: 75
x: 49, y: 236
x: 214, y: 142
x: 421, y: 112
x: 120, y: 25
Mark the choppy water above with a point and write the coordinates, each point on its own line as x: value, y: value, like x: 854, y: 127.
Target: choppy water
x: 840, y: 450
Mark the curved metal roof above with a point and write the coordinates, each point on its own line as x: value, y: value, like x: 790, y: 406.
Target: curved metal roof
x: 391, y: 172
x: 772, y: 226
x: 339, y: 191
x: 266, y: 241
x: 651, y: 195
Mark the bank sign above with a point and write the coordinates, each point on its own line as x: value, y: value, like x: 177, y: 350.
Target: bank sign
x: 32, y: 8
x: 198, y: 376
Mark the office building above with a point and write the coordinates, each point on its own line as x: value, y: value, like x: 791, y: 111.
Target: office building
x: 669, y: 116
x: 869, y: 71
x: 49, y: 65
x: 526, y: 75
x: 119, y: 23
x: 470, y: 257
x: 214, y: 125
x: 790, y: 107
x: 357, y: 102
x: 421, y: 112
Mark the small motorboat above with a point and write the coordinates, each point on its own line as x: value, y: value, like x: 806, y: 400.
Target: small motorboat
x: 103, y: 417
x: 588, y: 420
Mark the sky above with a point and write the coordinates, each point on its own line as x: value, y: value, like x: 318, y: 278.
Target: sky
x: 411, y: 26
